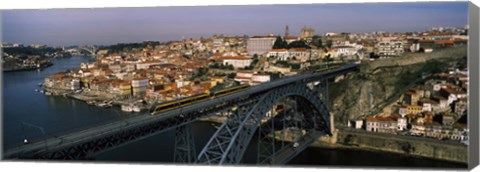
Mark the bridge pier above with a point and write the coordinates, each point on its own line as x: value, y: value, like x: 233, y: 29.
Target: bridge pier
x: 184, y: 145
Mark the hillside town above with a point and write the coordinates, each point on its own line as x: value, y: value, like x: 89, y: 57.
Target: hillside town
x: 17, y: 57
x: 137, y: 76
x: 438, y: 109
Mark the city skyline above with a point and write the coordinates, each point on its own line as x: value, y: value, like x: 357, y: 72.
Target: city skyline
x: 105, y: 26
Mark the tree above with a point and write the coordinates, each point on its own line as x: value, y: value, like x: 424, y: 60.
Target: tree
x: 298, y: 44
x: 232, y: 75
x: 279, y: 43
x: 230, y: 67
x: 329, y: 43
x: 421, y: 50
x: 374, y: 56
x: 317, y: 41
x: 328, y: 58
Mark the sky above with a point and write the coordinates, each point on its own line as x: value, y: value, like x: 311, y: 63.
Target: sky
x: 106, y: 26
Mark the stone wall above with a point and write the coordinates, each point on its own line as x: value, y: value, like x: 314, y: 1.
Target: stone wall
x: 407, y: 145
x: 409, y: 59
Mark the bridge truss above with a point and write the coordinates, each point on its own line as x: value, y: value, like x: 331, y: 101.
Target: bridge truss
x: 304, y: 123
x: 305, y: 117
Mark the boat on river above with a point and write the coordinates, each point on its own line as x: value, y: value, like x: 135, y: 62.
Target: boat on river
x: 91, y: 102
x: 127, y: 107
x: 104, y: 104
x: 136, y: 108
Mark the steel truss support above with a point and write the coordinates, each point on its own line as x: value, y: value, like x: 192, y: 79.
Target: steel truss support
x: 230, y: 141
x: 184, y: 145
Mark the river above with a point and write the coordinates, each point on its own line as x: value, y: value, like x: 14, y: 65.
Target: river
x: 28, y: 114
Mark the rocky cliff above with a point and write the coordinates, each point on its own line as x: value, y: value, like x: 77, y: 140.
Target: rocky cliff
x: 381, y: 82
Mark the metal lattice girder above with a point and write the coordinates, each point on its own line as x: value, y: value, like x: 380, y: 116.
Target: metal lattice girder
x: 230, y: 141
x: 298, y: 126
x: 86, y: 143
x: 184, y: 145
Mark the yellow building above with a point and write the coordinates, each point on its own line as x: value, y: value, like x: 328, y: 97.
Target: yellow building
x: 215, y: 80
x: 414, y: 109
x: 125, y: 89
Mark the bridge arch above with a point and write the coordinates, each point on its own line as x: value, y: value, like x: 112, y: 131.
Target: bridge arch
x: 232, y: 138
x: 91, y: 50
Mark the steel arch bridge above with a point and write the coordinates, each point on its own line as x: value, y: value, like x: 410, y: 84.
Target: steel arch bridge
x: 309, y: 116
x: 249, y: 115
x: 89, y: 49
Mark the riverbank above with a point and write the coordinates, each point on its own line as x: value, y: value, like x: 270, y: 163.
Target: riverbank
x: 404, y: 145
x: 103, y: 100
x: 41, y: 66
x: 351, y: 139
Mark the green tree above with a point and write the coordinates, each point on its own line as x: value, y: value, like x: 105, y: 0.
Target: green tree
x: 317, y: 41
x: 279, y: 43
x: 298, y: 44
x: 421, y: 50
x: 329, y: 43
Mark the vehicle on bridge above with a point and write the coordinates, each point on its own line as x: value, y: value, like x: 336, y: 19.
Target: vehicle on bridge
x: 170, y: 105
x: 329, y: 67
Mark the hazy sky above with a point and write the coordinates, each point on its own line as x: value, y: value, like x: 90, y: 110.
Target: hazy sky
x: 114, y: 25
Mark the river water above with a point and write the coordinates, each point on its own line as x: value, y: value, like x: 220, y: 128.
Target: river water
x: 28, y: 114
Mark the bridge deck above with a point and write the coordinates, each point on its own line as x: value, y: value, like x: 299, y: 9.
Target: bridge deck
x: 98, y: 132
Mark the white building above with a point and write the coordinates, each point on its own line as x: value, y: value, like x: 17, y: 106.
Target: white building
x: 343, y: 51
x: 147, y: 64
x: 75, y: 84
x: 301, y: 54
x: 426, y: 105
x: 259, y: 78
x: 389, y: 48
x: 280, y: 54
x: 260, y: 44
x: 237, y: 61
x: 402, y: 124
x: 140, y: 82
x: 244, y: 76
x: 251, y: 78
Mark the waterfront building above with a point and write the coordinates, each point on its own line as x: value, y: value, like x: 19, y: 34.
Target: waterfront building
x: 381, y: 124
x: 139, y: 86
x: 402, y: 123
x: 125, y: 89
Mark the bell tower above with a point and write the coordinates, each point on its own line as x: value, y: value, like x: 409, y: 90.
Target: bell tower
x: 286, y: 32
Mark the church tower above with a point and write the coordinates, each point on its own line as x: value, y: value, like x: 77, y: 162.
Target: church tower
x: 286, y: 32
